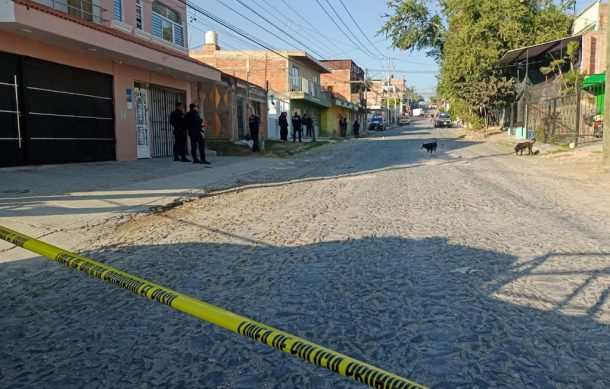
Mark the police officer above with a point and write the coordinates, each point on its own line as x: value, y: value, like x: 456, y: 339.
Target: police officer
x: 176, y: 119
x: 283, y: 122
x: 297, y: 127
x: 356, y: 129
x: 194, y: 126
x: 253, y: 124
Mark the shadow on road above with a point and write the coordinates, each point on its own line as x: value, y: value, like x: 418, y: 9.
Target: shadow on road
x: 93, y: 188
x: 427, y: 309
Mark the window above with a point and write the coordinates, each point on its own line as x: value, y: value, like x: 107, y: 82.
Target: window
x: 295, y: 82
x: 167, y: 24
x: 139, y: 14
x: 118, y: 10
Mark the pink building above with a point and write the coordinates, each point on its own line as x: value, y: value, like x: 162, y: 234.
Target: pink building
x: 93, y: 80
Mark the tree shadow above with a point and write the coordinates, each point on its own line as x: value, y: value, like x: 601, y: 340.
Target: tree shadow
x: 427, y: 309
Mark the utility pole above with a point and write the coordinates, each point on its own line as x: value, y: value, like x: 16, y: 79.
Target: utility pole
x: 606, y: 138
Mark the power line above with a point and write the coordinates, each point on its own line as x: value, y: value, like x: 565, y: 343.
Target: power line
x: 228, y: 25
x: 365, y: 36
x: 339, y: 28
x: 317, y: 32
x: 281, y: 30
x: 348, y: 29
x: 302, y: 30
x: 255, y: 23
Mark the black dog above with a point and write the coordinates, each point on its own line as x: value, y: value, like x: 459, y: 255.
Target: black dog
x: 430, y: 147
x: 521, y: 147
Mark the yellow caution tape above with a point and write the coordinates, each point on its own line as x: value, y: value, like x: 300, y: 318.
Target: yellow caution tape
x: 290, y: 344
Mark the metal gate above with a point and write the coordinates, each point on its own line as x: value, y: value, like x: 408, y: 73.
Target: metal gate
x: 52, y: 113
x: 162, y: 103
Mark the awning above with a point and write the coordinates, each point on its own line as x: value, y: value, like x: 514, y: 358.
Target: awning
x: 345, y: 104
x: 523, y: 53
x: 594, y: 79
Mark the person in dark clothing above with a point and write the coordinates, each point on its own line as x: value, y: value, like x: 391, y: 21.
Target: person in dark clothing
x: 296, y: 127
x: 283, y: 122
x: 304, y: 124
x: 343, y: 126
x: 356, y: 129
x: 253, y: 124
x: 176, y: 119
x: 194, y: 126
x: 309, y: 125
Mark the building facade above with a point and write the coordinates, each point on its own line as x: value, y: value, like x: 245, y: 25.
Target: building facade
x: 93, y: 81
x: 591, y: 23
x: 290, y: 78
x: 346, y: 83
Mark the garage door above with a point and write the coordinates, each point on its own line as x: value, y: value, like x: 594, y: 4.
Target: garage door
x: 66, y: 113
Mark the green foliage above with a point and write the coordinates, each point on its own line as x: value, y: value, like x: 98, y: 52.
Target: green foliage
x: 570, y: 78
x: 469, y: 37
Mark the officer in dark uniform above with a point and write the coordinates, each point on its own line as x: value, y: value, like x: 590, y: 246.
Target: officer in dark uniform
x: 297, y: 127
x: 253, y: 124
x: 176, y: 119
x: 194, y: 126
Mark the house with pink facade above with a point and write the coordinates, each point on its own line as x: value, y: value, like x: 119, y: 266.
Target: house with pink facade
x: 93, y: 80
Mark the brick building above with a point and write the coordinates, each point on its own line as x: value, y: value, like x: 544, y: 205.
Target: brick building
x: 290, y: 78
x: 591, y: 23
x: 346, y: 83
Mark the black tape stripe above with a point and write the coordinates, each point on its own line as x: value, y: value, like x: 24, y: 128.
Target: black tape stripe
x: 307, y: 351
x: 125, y: 281
x: 16, y: 239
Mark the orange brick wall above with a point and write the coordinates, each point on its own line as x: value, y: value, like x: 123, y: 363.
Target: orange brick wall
x: 261, y: 70
x: 594, y: 46
x: 339, y: 81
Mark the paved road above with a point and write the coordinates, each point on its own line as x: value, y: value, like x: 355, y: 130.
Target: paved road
x: 469, y: 268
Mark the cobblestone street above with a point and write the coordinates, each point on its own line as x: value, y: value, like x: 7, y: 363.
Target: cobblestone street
x: 469, y: 268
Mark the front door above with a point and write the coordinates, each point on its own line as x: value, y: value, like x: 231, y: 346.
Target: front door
x: 162, y: 103
x: 12, y: 145
x: 142, y: 132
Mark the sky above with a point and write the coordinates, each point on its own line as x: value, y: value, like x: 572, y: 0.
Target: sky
x: 307, y: 21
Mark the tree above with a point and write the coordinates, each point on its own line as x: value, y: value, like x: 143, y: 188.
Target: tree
x: 570, y: 78
x: 469, y: 37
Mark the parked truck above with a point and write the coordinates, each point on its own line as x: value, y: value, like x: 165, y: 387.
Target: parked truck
x: 417, y: 112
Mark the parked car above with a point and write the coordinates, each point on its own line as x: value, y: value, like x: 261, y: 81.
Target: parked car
x: 442, y: 120
x: 377, y: 124
x: 403, y: 121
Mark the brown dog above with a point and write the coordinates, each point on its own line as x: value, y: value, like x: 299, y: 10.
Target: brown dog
x: 524, y: 145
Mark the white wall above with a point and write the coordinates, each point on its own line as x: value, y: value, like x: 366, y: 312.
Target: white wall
x: 587, y: 18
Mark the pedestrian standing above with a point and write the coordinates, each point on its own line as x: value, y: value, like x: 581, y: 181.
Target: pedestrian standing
x: 343, y: 126
x: 304, y: 124
x: 195, y: 129
x: 283, y: 122
x: 253, y: 124
x: 356, y: 129
x: 296, y: 127
x: 176, y: 119
x: 309, y: 125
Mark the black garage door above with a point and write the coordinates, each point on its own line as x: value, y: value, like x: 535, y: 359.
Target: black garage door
x: 66, y: 113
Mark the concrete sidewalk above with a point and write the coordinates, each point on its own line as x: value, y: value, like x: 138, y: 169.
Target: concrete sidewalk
x: 68, y: 204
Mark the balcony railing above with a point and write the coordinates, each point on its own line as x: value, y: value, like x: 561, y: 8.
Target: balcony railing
x: 83, y: 9
x: 302, y: 84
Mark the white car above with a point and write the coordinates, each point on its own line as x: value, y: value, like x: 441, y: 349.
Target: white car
x: 404, y: 121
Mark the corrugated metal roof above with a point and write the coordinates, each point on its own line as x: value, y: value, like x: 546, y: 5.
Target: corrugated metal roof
x: 523, y: 53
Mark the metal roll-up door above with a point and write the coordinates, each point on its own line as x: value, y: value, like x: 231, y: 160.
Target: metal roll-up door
x: 69, y: 113
x: 12, y: 145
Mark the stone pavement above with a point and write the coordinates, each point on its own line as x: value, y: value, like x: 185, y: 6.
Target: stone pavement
x: 65, y: 203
